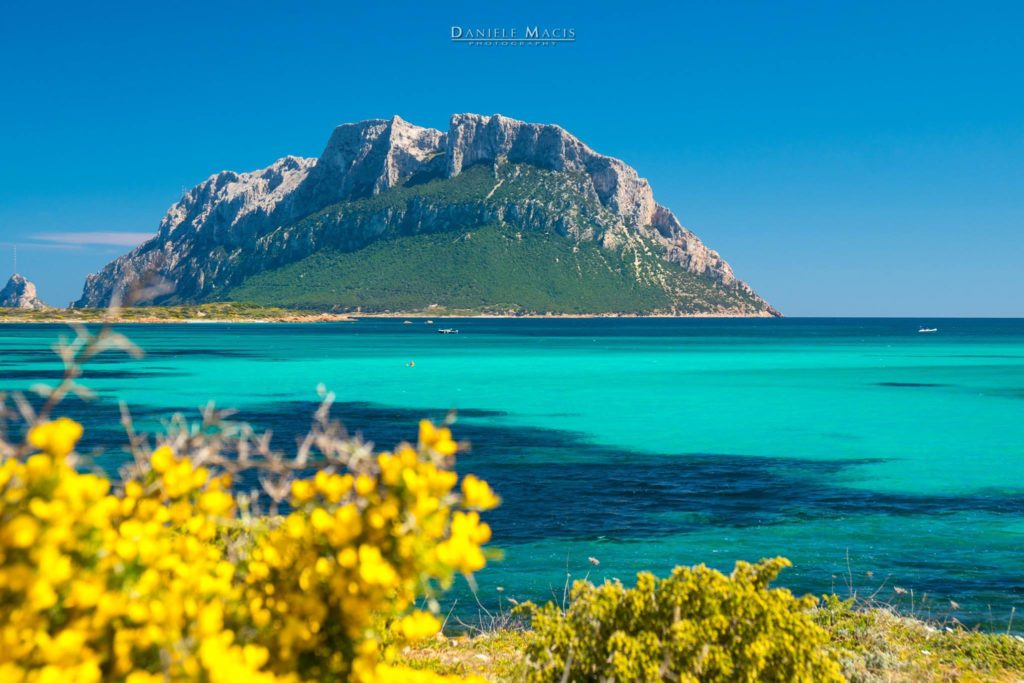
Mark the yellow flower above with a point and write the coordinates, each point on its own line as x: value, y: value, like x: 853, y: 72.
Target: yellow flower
x: 302, y: 491
x: 365, y: 485
x: 84, y: 594
x: 390, y: 468
x: 216, y: 502
x: 333, y: 486
x: 321, y: 520
x: 461, y: 554
x: 295, y: 525
x: 477, y: 493
x: 435, y: 439
x: 42, y: 596
x: 211, y: 619
x: 255, y: 657
x: 348, y: 557
x: 21, y: 532
x: 468, y: 525
x: 162, y: 459
x: 375, y: 569
x: 58, y: 438
x: 417, y: 626
x: 144, y: 677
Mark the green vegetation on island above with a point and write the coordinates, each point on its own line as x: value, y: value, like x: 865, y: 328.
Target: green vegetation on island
x: 491, y: 269
x: 546, y: 258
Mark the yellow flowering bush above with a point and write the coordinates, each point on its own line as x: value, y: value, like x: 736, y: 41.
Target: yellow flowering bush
x: 695, y: 625
x: 164, y: 578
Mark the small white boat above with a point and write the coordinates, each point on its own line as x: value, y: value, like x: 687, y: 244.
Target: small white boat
x: 447, y: 330
x: 927, y: 330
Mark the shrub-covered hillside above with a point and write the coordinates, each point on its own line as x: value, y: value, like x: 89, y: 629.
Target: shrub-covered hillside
x: 518, y: 239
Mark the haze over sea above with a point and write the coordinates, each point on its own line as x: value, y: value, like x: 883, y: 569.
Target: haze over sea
x: 647, y: 443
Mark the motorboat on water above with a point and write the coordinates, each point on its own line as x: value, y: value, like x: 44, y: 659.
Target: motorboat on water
x: 927, y: 330
x: 447, y: 330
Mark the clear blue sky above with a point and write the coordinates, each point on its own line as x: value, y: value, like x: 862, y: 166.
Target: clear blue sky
x: 848, y: 158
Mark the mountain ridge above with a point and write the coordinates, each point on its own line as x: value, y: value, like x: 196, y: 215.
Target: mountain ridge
x: 206, y: 242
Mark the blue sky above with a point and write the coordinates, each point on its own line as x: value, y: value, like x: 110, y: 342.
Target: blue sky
x: 848, y: 158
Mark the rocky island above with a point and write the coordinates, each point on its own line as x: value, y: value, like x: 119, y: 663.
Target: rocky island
x: 21, y: 294
x: 492, y: 216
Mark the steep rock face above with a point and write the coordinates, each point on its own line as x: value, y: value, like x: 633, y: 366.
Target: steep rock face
x: 20, y: 293
x: 367, y: 158
x: 236, y: 224
x: 473, y: 139
x: 226, y: 210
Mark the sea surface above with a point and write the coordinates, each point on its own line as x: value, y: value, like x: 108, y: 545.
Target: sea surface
x: 865, y: 452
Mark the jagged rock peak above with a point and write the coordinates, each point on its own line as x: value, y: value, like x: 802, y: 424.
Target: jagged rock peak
x: 20, y: 293
x: 366, y: 158
x: 227, y: 199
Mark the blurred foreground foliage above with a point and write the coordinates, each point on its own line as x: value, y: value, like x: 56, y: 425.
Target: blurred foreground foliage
x: 168, y: 575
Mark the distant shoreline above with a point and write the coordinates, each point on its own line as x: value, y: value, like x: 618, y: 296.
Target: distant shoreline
x: 195, y: 314
x: 156, y: 320
x: 95, y: 315
x: 543, y: 316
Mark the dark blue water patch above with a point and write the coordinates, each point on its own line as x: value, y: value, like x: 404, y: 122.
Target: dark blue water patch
x: 644, y: 497
x: 42, y: 375
x: 356, y: 414
x: 910, y: 384
x: 17, y: 356
x: 50, y: 359
x: 104, y: 437
x: 289, y: 421
x: 547, y: 476
x: 557, y: 485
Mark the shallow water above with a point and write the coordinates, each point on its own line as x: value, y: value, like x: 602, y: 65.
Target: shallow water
x: 651, y: 443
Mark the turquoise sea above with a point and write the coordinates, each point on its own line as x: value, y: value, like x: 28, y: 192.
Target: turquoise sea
x: 855, y: 447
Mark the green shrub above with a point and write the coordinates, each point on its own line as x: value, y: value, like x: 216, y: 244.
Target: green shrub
x: 696, y: 625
